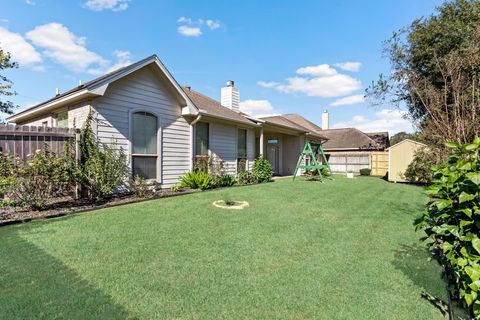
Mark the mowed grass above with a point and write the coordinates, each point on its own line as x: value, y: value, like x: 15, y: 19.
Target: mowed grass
x: 344, y: 249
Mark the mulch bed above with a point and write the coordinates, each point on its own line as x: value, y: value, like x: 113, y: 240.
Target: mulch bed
x: 66, y: 205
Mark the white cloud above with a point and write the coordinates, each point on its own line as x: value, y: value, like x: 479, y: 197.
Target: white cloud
x: 390, y: 120
x: 317, y: 81
x: 30, y: 2
x: 267, y: 84
x: 213, y: 24
x: 352, y: 66
x: 257, y: 108
x: 185, y: 20
x: 64, y: 47
x: 322, y: 70
x: 100, y: 5
x: 189, y: 31
x: 22, y: 51
x: 358, y: 98
x: 123, y: 59
x: 327, y: 86
x: 193, y: 28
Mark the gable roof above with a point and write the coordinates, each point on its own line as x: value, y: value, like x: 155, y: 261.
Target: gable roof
x: 293, y: 123
x: 407, y: 140
x: 211, y: 107
x: 349, y: 139
x: 97, y: 87
x: 302, y: 121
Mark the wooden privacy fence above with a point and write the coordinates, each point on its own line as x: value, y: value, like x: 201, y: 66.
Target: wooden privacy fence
x: 354, y: 161
x: 349, y: 162
x: 379, y: 163
x: 22, y: 141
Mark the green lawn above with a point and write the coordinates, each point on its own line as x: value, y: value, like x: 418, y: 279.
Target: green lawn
x: 345, y: 249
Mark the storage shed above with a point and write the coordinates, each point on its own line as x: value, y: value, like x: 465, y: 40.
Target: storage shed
x: 399, y: 157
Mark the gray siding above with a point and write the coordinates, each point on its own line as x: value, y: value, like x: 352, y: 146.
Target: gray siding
x: 144, y: 91
x: 223, y: 145
x: 250, y: 148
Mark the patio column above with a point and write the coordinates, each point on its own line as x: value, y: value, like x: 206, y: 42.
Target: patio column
x: 261, y: 142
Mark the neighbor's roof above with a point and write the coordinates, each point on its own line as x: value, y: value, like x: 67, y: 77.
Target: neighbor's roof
x: 210, y: 107
x: 303, y: 122
x: 284, y: 121
x: 97, y: 87
x: 349, y: 139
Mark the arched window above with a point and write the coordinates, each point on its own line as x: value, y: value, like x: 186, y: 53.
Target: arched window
x: 144, y: 145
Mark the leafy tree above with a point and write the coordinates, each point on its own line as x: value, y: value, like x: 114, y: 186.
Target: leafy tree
x: 436, y: 73
x: 400, y: 136
x: 5, y: 83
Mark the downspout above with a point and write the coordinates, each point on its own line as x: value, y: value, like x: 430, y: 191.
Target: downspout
x: 192, y: 139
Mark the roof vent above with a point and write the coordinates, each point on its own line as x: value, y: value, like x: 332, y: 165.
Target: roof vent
x: 57, y: 91
x: 188, y: 88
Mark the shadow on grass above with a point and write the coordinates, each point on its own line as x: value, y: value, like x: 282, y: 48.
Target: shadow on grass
x: 36, y: 285
x: 413, y: 261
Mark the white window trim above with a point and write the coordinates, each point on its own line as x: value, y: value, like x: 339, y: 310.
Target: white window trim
x: 159, y: 143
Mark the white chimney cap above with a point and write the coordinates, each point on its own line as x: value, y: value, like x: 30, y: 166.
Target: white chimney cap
x: 230, y: 83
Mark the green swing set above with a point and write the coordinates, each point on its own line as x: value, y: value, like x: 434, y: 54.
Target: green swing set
x: 312, y: 150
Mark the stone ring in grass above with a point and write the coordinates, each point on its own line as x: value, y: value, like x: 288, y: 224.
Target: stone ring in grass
x: 230, y: 204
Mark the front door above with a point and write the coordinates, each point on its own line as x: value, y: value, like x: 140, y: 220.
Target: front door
x: 272, y: 157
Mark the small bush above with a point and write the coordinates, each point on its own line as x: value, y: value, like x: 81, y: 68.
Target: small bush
x: 246, y: 177
x: 7, y: 166
x: 365, y: 171
x: 42, y: 177
x: 176, y: 187
x: 451, y: 222
x: 103, y: 167
x: 197, y: 180
x: 139, y: 187
x: 225, y: 180
x: 420, y: 169
x: 325, y: 172
x: 262, y: 170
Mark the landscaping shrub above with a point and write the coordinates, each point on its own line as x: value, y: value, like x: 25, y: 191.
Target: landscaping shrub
x: 7, y: 166
x: 420, y: 169
x: 246, y: 177
x: 365, y: 171
x: 40, y: 178
x: 225, y: 180
x: 325, y: 172
x: 452, y: 222
x: 262, y: 170
x: 103, y: 167
x: 197, y: 180
x: 139, y: 187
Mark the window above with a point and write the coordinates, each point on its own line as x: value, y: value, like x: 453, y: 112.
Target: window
x: 144, y: 145
x: 201, y: 139
x: 241, y: 150
x: 62, y: 119
x: 45, y: 124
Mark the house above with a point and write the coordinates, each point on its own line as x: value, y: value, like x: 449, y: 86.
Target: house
x: 349, y: 149
x: 163, y: 127
x: 400, y: 155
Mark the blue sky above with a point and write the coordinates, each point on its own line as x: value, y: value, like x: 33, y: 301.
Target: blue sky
x: 284, y: 56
